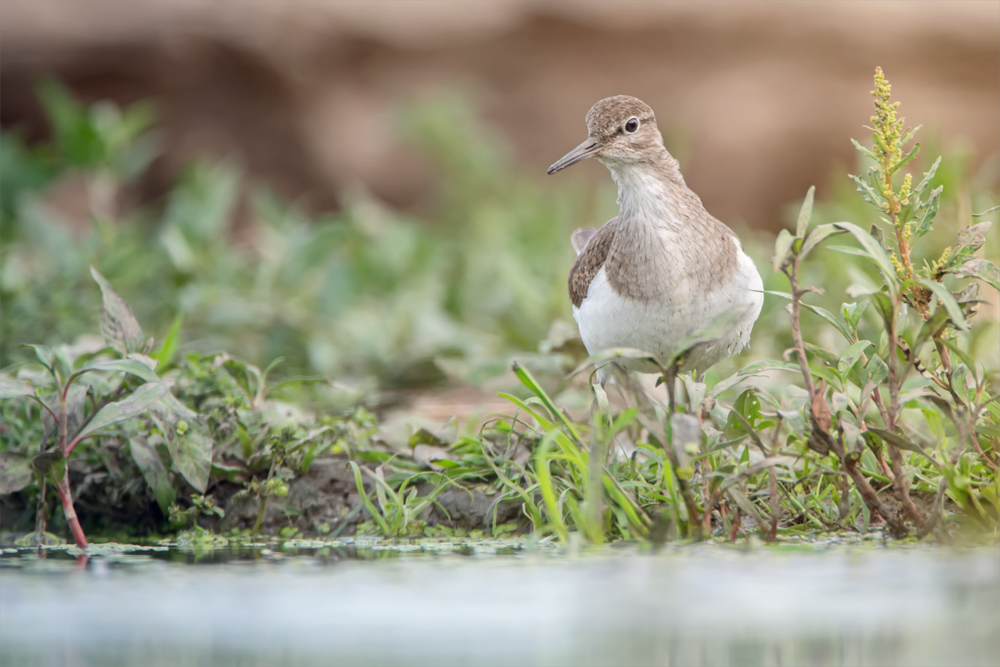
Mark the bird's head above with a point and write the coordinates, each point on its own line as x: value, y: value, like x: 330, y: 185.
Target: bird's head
x: 621, y: 130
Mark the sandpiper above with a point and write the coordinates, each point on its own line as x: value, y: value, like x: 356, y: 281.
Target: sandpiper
x: 664, y: 268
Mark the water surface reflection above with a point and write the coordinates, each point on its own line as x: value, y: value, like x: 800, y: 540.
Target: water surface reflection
x: 414, y: 605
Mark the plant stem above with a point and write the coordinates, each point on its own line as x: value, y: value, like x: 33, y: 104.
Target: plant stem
x: 63, y: 427
x: 774, y: 500
x: 868, y: 494
x: 935, y: 517
x: 975, y: 443
x: 800, y: 350
x: 694, y: 514
x: 263, y: 497
x: 844, y: 506
x: 40, y: 522
x: 775, y: 504
x: 97, y: 408
x: 901, y: 484
x: 877, y: 397
x: 736, y: 525
x: 67, y: 502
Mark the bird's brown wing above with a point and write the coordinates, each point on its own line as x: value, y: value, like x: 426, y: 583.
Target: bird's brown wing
x: 590, y: 258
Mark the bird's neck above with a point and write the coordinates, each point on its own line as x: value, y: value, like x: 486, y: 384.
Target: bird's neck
x: 653, y: 194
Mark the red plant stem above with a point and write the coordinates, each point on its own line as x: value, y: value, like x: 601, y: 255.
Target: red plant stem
x: 72, y: 446
x: 868, y: 493
x: 986, y: 458
x: 904, y: 248
x: 55, y: 417
x: 736, y: 525
x: 800, y: 351
x: 67, y: 501
x: 886, y: 470
x: 877, y: 397
x: 40, y: 514
x: 63, y: 426
x: 901, y: 485
x: 844, y: 506
x: 775, y: 506
x: 694, y: 515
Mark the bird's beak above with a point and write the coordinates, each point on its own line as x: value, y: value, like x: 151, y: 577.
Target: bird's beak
x: 585, y: 150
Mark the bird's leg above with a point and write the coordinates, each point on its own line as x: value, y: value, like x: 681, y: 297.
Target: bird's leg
x: 669, y: 376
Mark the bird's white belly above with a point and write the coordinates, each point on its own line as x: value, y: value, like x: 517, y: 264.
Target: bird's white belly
x: 608, y: 321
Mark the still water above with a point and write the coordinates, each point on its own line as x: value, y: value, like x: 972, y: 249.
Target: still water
x: 490, y: 603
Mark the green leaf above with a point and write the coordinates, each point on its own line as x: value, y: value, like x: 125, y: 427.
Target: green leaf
x: 127, y: 408
x: 817, y: 236
x: 191, y: 454
x: 854, y: 311
x: 366, y: 501
x: 168, y: 347
x: 959, y: 381
x: 909, y: 135
x: 952, y: 345
x: 61, y: 363
x: 948, y: 301
x: 15, y: 388
x: 983, y: 269
x: 931, y: 327
x: 897, y: 440
x: 118, y: 325
x: 877, y: 234
x: 805, y: 213
x: 46, y: 357
x: 75, y: 409
x: 876, y: 370
x: 782, y: 249
x: 76, y: 137
x: 928, y: 175
x: 928, y: 211
x: 824, y: 354
x: 839, y: 324
x: 15, y: 472
x: 868, y: 193
x: 864, y: 151
x: 546, y: 487
x: 50, y: 464
x: 747, y: 506
x: 202, y: 203
x: 528, y: 380
x: 747, y: 405
x: 191, y: 448
x: 970, y: 240
x: 153, y: 471
x: 906, y: 159
x: 851, y: 356
x: 246, y: 375
x: 885, y: 307
x: 974, y: 236
x: 133, y: 366
x: 873, y: 250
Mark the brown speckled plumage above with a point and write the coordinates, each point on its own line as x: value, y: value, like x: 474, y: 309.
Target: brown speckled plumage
x: 664, y: 267
x: 590, y: 261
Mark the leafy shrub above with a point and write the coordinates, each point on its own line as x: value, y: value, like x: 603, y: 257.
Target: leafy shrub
x: 880, y: 409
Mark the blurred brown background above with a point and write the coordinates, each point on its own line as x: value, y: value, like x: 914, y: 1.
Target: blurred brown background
x: 756, y: 98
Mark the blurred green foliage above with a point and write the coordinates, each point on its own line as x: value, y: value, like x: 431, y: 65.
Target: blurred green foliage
x: 478, y: 277
x: 364, y: 291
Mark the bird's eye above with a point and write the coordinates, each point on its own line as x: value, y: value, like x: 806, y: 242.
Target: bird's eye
x: 632, y: 125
